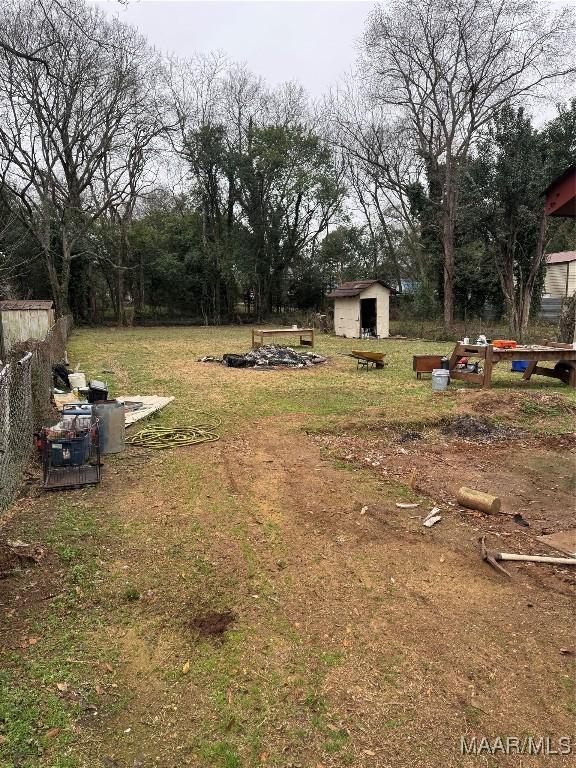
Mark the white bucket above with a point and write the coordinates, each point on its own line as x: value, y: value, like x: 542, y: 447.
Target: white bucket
x: 440, y: 379
x: 77, y: 379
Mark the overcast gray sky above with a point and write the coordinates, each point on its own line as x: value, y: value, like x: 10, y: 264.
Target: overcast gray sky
x: 311, y: 42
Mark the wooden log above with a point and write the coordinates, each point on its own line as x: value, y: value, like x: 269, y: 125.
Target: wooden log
x: 469, y: 497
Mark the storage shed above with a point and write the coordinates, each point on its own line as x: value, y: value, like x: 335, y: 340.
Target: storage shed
x: 362, y: 308
x: 560, y: 275
x: 23, y: 320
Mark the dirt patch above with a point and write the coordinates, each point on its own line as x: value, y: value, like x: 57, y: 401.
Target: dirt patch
x: 469, y: 428
x: 508, y: 404
x: 212, y: 624
x: 15, y: 556
x: 409, y: 436
x: 533, y: 476
x: 9, y: 561
x: 566, y: 442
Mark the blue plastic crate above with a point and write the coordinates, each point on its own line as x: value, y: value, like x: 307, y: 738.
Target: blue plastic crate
x: 70, y: 451
x: 519, y: 366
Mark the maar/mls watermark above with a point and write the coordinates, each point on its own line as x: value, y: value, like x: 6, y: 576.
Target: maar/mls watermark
x: 515, y: 745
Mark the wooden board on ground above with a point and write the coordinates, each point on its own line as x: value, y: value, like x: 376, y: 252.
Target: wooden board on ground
x: 63, y: 399
x: 564, y: 541
x: 151, y: 404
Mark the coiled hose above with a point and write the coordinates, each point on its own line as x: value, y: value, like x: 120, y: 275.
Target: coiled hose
x: 159, y: 437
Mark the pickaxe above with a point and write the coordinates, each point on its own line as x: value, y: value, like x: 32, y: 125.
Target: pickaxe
x: 493, y: 558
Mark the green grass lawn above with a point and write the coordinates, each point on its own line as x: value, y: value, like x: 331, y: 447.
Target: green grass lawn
x: 161, y: 361
x: 169, y: 533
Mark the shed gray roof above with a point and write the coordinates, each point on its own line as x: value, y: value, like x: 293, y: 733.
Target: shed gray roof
x: 16, y: 304
x: 355, y: 288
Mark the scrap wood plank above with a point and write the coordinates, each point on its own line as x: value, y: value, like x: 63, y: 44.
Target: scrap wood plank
x: 150, y: 403
x: 64, y: 398
x: 564, y: 541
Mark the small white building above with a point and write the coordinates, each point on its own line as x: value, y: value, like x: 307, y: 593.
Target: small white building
x: 23, y: 320
x: 362, y: 308
x: 560, y: 275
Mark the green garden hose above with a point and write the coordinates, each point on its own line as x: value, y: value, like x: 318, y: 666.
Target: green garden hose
x: 158, y: 436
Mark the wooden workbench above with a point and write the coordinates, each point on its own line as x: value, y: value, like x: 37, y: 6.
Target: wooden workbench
x: 306, y: 335
x: 534, y: 354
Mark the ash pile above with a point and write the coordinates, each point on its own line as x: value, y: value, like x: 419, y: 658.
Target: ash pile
x: 482, y: 430
x: 267, y: 356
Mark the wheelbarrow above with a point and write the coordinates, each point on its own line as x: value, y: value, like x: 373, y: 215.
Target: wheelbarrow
x: 365, y: 359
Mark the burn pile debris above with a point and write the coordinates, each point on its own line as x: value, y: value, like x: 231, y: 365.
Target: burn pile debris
x: 483, y: 430
x: 269, y: 355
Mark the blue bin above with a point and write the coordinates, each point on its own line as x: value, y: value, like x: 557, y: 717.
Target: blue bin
x: 77, y: 409
x: 519, y: 366
x: 70, y: 451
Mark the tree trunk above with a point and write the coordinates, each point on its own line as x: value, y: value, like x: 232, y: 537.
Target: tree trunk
x: 62, y: 280
x: 525, y: 290
x: 92, y: 310
x: 567, y: 330
x: 524, y: 311
x: 448, y: 244
x: 120, y: 314
x: 139, y: 297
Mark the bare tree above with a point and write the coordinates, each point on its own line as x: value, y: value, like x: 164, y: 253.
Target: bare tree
x: 382, y: 164
x: 128, y: 173
x: 13, y: 9
x: 61, y: 126
x: 261, y: 178
x: 449, y: 66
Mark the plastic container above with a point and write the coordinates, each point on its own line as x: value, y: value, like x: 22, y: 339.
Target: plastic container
x: 72, y: 452
x: 69, y: 425
x: 77, y: 409
x: 519, y: 366
x: 77, y: 379
x: 504, y: 344
x: 110, y: 415
x: 440, y: 379
x: 98, y: 391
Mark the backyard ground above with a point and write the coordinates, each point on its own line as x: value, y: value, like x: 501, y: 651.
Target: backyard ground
x: 262, y: 601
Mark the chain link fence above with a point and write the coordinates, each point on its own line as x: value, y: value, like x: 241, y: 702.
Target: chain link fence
x: 25, y: 402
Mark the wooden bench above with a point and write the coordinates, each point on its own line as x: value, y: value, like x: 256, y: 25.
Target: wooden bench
x: 306, y: 335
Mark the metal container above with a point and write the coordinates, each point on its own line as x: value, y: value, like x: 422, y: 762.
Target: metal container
x: 110, y: 415
x: 440, y: 379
